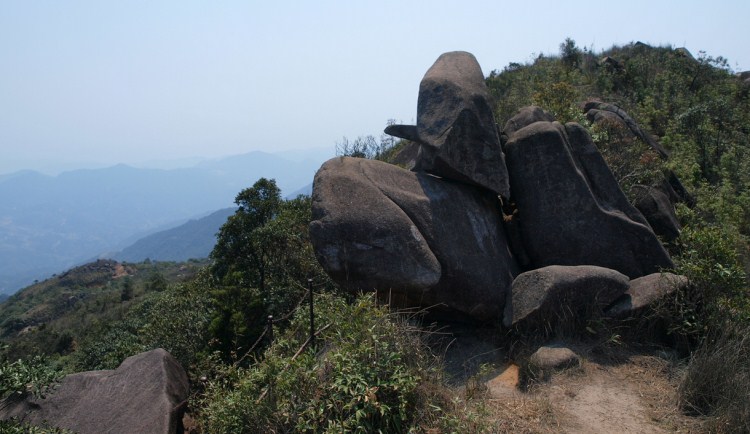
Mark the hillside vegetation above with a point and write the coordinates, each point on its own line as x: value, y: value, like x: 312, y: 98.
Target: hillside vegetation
x: 370, y: 369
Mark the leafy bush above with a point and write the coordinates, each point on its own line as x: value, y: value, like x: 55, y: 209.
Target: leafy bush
x: 22, y: 377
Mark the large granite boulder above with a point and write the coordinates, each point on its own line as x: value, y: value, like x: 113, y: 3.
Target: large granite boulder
x: 456, y: 126
x: 560, y: 295
x: 429, y: 240
x: 571, y: 209
x: 145, y: 394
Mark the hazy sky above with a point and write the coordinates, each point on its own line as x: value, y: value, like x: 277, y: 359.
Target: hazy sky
x: 101, y: 82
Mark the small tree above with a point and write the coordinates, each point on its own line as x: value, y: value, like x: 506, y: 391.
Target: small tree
x: 127, y: 290
x: 239, y: 256
x: 570, y: 54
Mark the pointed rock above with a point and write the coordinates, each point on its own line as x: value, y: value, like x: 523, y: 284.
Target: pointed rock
x: 456, y: 126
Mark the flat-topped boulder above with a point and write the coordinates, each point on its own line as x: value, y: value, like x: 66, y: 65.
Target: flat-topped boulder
x: 571, y: 210
x: 561, y: 295
x: 411, y: 235
x: 145, y: 394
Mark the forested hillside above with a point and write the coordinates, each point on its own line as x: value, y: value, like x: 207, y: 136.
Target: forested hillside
x: 367, y: 368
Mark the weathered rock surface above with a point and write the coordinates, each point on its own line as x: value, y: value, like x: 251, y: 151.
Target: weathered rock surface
x: 570, y: 207
x: 561, y: 294
x: 456, y: 127
x: 408, y: 132
x: 643, y: 292
x: 655, y: 204
x: 406, y: 157
x: 601, y: 111
x: 525, y: 117
x: 379, y: 227
x: 145, y: 394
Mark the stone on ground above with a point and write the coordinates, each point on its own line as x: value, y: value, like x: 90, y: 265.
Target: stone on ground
x: 645, y: 291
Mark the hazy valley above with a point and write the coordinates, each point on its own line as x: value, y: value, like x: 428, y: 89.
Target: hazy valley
x: 51, y: 223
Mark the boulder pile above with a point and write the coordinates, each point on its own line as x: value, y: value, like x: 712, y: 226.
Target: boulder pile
x: 489, y: 225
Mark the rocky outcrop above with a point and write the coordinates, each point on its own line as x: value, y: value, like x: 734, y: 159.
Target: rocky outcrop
x: 571, y: 209
x: 558, y: 296
x: 440, y: 237
x: 455, y: 125
x: 146, y: 394
x: 432, y: 241
x: 645, y: 291
x: 597, y: 112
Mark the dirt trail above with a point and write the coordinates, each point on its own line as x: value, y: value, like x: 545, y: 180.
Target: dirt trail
x: 602, y: 403
x: 634, y: 396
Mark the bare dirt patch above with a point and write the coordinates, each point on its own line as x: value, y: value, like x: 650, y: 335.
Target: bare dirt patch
x: 631, y: 394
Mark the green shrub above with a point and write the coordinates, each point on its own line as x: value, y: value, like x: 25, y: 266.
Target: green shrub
x: 175, y: 319
x: 718, y: 290
x: 363, y: 377
x: 23, y: 377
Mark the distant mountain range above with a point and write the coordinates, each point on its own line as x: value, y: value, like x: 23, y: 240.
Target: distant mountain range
x: 192, y: 240
x: 51, y: 223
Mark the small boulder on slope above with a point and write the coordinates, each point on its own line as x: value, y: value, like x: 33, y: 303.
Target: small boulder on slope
x: 643, y: 292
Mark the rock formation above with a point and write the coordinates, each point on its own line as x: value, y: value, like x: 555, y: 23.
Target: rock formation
x: 655, y: 204
x: 439, y: 236
x: 146, y: 394
x: 643, y: 292
x: 597, y: 112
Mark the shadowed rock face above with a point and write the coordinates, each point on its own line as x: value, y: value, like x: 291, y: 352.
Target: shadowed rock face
x: 145, y: 394
x: 379, y: 227
x: 570, y: 207
x: 656, y: 205
x: 455, y: 125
